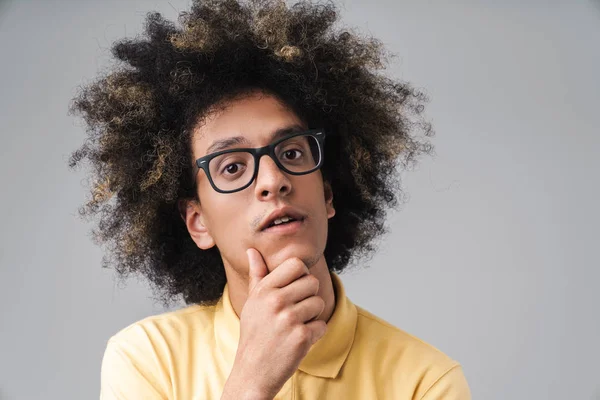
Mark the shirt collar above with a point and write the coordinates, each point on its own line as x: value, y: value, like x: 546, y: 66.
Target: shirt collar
x: 324, y: 359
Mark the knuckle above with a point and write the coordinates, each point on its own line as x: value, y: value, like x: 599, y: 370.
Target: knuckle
x: 259, y: 289
x: 304, y: 334
x: 314, y: 282
x: 298, y: 264
x: 276, y: 302
x: 287, y: 317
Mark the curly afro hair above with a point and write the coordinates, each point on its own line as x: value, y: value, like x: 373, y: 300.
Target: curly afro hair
x: 140, y: 114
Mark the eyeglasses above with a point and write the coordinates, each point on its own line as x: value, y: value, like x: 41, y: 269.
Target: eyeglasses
x: 233, y: 170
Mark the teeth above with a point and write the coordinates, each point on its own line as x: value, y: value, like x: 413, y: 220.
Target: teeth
x: 282, y: 220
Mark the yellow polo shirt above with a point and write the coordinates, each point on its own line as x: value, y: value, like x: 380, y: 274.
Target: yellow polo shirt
x: 188, y: 354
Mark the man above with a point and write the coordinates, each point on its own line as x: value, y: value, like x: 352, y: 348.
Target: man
x: 213, y: 147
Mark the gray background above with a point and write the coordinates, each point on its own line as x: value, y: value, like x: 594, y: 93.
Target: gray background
x: 494, y: 259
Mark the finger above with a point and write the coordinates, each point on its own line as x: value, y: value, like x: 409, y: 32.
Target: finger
x: 300, y: 289
x: 318, y: 329
x: 286, y: 273
x: 308, y: 309
x: 257, y: 269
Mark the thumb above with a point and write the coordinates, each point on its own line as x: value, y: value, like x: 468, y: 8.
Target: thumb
x: 257, y: 268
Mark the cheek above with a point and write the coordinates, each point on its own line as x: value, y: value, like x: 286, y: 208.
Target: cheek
x: 323, y: 224
x: 227, y: 222
x: 223, y: 217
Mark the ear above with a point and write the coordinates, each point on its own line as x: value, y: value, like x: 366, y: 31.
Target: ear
x: 191, y: 213
x: 328, y: 199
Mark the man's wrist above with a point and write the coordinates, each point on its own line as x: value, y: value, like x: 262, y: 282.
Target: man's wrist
x: 241, y: 393
x: 237, y: 387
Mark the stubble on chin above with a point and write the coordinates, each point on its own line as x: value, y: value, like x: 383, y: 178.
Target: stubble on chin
x: 312, y: 261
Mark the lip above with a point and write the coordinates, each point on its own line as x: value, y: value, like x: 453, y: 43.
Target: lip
x: 280, y: 212
x: 287, y: 228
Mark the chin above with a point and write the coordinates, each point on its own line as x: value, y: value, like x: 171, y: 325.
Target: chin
x: 307, y: 253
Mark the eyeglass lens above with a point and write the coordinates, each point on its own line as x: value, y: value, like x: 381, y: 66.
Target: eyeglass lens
x: 231, y: 171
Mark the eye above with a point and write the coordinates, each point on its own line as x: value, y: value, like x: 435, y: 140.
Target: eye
x: 231, y: 168
x: 288, y: 154
x: 230, y: 164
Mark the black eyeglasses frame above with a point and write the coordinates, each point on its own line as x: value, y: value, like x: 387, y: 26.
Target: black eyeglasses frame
x: 202, y: 162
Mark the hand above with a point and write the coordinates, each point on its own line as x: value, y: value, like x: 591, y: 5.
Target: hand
x: 278, y: 325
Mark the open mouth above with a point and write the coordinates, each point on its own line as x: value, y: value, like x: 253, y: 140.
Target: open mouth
x: 282, y: 221
x: 284, y: 225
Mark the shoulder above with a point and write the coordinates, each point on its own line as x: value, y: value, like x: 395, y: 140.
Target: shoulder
x: 159, y: 337
x: 138, y: 358
x: 381, y: 332
x: 411, y: 360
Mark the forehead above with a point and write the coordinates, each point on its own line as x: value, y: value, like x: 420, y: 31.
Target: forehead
x: 255, y: 117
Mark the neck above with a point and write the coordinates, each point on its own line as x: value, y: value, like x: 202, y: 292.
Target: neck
x: 238, y: 288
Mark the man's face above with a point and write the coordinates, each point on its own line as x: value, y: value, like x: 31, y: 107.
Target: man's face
x: 233, y: 221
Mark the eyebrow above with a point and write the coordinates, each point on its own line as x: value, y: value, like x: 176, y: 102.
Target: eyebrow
x: 222, y: 144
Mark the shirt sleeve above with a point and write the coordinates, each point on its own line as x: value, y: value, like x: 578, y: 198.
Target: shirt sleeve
x: 121, y: 377
x: 452, y: 385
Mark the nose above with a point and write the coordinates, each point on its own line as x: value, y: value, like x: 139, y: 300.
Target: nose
x: 270, y: 180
